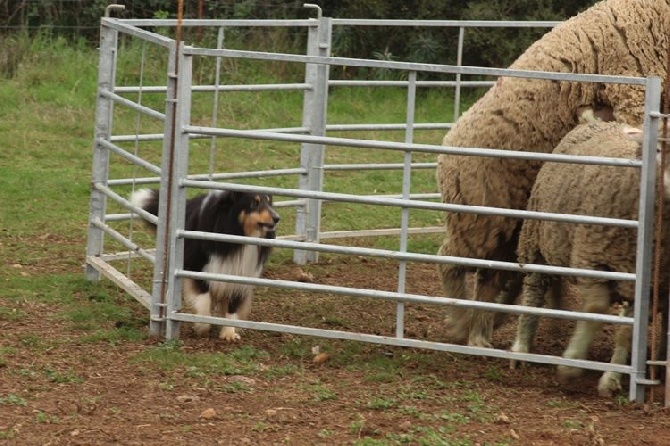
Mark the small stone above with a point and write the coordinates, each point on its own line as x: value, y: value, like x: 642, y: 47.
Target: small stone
x: 304, y: 276
x: 242, y: 379
x: 502, y: 418
x: 513, y: 434
x: 321, y: 358
x: 208, y: 414
x: 406, y: 425
x: 188, y: 398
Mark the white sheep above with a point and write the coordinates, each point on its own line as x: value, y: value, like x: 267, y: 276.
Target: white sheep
x: 603, y: 191
x: 614, y: 37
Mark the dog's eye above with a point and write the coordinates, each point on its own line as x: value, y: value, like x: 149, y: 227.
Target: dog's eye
x: 256, y: 203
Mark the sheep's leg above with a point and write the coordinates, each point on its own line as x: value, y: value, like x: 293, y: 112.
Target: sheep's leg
x: 509, y: 294
x: 454, y: 286
x: 596, y: 298
x: 487, y: 289
x: 610, y: 382
x: 534, y: 289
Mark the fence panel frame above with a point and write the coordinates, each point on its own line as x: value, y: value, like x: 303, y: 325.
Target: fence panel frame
x: 166, y: 304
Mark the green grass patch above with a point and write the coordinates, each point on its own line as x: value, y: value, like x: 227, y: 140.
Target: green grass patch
x: 13, y: 400
x: 242, y: 360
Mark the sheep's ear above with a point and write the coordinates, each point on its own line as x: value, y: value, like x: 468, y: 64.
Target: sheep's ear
x: 633, y: 133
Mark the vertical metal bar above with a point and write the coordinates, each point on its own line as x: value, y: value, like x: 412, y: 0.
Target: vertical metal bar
x: 459, y: 62
x: 160, y: 278
x: 215, y: 110
x: 315, y: 105
x: 103, y: 130
x: 406, y: 188
x: 645, y: 238
x: 178, y: 196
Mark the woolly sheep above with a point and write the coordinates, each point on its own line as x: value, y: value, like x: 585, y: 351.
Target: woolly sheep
x: 603, y: 191
x: 615, y: 37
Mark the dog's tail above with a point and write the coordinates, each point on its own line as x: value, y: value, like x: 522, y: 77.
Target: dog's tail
x: 146, y: 199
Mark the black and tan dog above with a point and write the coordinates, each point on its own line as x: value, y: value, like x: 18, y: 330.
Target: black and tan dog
x: 223, y: 212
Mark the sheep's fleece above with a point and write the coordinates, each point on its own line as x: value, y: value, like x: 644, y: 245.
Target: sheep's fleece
x: 603, y: 191
x: 615, y: 37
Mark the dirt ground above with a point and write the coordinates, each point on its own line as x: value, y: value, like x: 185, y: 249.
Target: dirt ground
x: 75, y: 392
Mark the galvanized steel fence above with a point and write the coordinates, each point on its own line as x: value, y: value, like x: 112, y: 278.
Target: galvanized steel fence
x: 169, y: 169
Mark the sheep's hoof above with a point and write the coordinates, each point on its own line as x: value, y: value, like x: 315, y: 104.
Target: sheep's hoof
x: 566, y: 374
x: 479, y: 341
x: 201, y: 329
x: 609, y: 384
x: 516, y: 363
x: 229, y: 334
x: 455, y: 333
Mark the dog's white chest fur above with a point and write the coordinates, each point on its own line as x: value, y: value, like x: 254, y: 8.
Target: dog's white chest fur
x: 242, y: 263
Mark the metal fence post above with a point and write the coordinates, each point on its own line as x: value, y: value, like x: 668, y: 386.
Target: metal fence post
x: 177, y: 196
x: 315, y: 104
x: 160, y: 278
x: 103, y: 130
x: 645, y: 238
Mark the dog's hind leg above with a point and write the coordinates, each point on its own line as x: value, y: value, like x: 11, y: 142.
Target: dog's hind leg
x: 198, y: 303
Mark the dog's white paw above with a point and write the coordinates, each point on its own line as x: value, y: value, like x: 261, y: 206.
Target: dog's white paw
x: 229, y: 334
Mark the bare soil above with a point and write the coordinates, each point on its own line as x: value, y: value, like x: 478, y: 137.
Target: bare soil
x: 76, y: 392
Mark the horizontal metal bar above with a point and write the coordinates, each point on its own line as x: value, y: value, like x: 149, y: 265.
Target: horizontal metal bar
x: 401, y: 342
x: 129, y: 244
x: 214, y: 176
x: 251, y: 174
x: 388, y: 166
x: 125, y: 203
x: 338, y: 22
x: 447, y: 23
x: 303, y: 86
x: 413, y: 66
x: 208, y: 88
x: 648, y: 382
x: 425, y: 84
x: 406, y: 297
x: 424, y: 196
x: 218, y: 22
x: 424, y: 148
x: 407, y: 256
x: 139, y: 137
x: 328, y: 235
x: 361, y: 127
x: 132, y: 104
x: 131, y: 30
x: 129, y: 156
x: 415, y: 204
x: 121, y: 280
